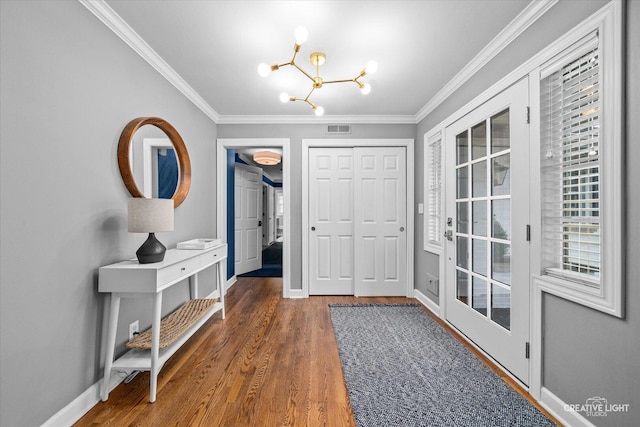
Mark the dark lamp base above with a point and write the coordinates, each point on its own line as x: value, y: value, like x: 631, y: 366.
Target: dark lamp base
x: 151, y: 250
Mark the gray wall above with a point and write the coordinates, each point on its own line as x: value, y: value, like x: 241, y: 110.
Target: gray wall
x: 69, y: 86
x: 296, y: 133
x: 586, y: 353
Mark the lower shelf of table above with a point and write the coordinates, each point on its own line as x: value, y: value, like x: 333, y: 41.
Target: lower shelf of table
x: 140, y: 360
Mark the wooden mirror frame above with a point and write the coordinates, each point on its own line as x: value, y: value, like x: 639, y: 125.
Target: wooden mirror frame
x: 184, y: 178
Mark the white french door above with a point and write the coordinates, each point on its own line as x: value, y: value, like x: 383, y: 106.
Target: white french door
x: 248, y: 218
x: 487, y: 252
x: 357, y: 221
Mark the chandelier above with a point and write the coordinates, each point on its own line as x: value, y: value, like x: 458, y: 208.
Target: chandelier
x: 317, y: 59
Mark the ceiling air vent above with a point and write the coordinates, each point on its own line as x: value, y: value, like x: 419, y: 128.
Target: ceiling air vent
x: 338, y: 129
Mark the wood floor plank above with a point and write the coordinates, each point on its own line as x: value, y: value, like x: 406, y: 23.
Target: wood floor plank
x: 271, y: 362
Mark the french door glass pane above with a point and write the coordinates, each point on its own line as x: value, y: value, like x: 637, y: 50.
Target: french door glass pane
x: 479, y: 254
x: 500, y: 139
x: 479, y: 174
x: 483, y: 273
x: 462, y: 245
x: 501, y: 262
x: 462, y: 286
x: 462, y: 148
x: 501, y: 213
x: 479, y: 140
x: 480, y: 218
x: 501, y: 306
x: 462, y: 182
x: 479, y: 302
x: 500, y: 175
x: 463, y: 217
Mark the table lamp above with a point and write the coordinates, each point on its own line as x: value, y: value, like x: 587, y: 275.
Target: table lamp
x: 150, y: 216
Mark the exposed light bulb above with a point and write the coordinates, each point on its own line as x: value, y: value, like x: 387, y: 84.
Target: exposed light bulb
x: 365, y: 89
x: 319, y: 110
x: 301, y: 34
x: 372, y: 67
x: 264, y: 69
x: 284, y: 97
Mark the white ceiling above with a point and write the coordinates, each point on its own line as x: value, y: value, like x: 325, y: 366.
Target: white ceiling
x: 215, y: 46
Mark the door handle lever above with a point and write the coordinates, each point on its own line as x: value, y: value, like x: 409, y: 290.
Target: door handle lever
x: 449, y: 235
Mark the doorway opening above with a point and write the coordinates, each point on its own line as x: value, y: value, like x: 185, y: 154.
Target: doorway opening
x: 225, y: 148
x: 271, y: 214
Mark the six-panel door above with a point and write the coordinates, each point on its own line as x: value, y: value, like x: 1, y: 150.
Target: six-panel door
x: 357, y: 221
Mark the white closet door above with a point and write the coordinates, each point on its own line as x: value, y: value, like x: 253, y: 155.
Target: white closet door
x: 248, y: 214
x: 380, y: 221
x: 331, y: 221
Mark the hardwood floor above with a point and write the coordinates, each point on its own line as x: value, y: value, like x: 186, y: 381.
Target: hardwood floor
x: 271, y: 362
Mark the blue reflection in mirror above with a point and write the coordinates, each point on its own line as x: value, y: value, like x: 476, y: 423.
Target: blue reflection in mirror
x: 167, y: 173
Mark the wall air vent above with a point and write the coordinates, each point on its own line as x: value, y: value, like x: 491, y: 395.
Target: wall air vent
x: 333, y: 129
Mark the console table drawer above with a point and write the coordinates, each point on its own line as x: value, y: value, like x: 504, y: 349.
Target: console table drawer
x: 176, y: 271
x: 213, y: 256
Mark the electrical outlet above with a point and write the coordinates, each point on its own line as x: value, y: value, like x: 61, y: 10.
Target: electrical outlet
x: 133, y: 328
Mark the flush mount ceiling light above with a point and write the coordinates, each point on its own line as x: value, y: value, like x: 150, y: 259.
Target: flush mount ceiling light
x: 317, y: 59
x: 266, y: 158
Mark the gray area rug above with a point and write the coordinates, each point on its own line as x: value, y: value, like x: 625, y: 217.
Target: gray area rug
x: 404, y: 369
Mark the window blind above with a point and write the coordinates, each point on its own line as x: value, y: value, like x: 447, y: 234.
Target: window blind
x: 570, y: 136
x: 434, y: 202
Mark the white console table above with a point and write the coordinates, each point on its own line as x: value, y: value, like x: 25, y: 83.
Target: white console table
x: 129, y: 279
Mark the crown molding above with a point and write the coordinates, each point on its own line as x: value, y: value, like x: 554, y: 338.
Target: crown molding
x: 115, y: 23
x: 311, y: 119
x: 520, y: 23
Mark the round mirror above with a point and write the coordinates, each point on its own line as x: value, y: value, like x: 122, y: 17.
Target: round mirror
x: 163, y: 154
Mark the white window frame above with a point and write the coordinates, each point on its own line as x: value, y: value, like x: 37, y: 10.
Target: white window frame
x: 433, y: 192
x: 607, y: 296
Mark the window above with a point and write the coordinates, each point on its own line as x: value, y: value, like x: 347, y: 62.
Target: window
x: 433, y: 190
x: 570, y: 119
x: 580, y: 161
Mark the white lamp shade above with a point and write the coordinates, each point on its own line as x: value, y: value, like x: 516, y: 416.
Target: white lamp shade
x: 150, y: 215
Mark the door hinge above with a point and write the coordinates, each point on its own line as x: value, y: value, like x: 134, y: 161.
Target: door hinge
x: 526, y: 350
x: 528, y: 233
x: 528, y: 115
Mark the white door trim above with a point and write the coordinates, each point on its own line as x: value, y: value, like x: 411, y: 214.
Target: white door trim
x: 345, y: 143
x: 225, y: 144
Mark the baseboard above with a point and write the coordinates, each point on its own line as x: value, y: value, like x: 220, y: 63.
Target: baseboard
x: 71, y: 413
x: 231, y: 282
x: 556, y: 407
x: 296, y: 293
x: 426, y: 301
x: 214, y: 294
